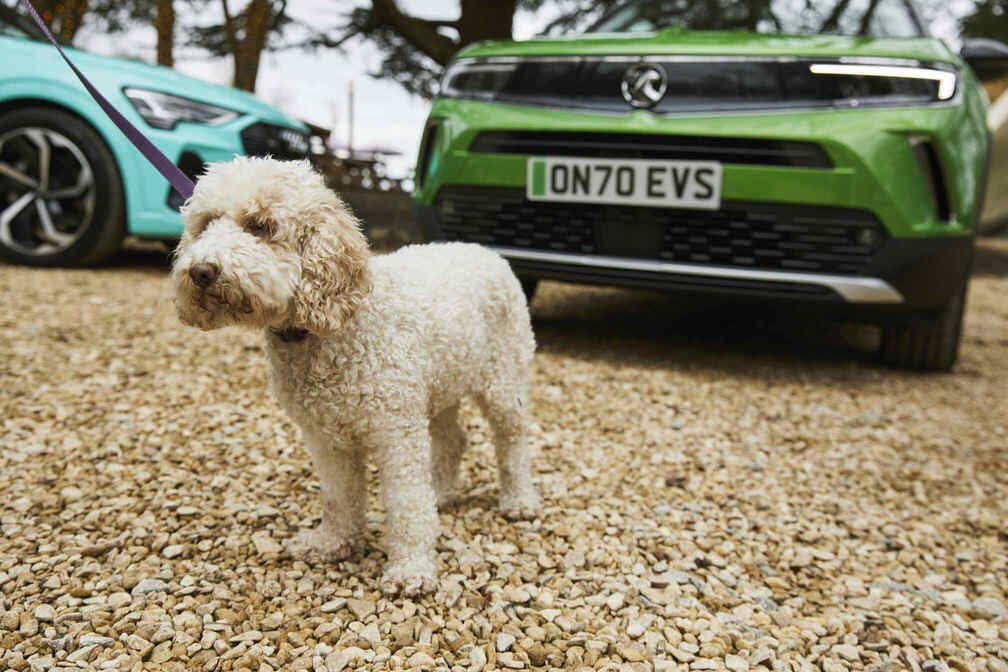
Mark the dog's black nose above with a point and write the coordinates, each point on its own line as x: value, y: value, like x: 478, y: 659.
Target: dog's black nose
x: 204, y: 274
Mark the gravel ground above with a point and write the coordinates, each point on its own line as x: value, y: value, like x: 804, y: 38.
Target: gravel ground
x: 718, y: 494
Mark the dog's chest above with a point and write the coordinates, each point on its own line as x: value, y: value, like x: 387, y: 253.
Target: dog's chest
x: 319, y: 389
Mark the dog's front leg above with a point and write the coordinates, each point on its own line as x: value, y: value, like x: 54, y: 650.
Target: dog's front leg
x: 411, y: 525
x: 343, y: 481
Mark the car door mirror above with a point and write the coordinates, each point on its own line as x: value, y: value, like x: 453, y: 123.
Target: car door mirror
x: 988, y: 58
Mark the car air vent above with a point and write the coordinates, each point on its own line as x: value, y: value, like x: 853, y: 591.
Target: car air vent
x: 930, y: 165
x: 262, y: 139
x: 643, y: 146
x: 767, y: 236
x: 192, y: 166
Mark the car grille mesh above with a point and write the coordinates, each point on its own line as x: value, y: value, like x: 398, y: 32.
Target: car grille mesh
x: 750, y: 151
x: 746, y: 235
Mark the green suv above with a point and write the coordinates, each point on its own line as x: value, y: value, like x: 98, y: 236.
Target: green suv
x: 829, y: 156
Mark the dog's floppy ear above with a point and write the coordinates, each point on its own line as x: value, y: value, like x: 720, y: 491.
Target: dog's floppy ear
x: 334, y: 270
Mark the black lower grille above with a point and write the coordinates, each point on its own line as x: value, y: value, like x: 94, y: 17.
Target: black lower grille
x: 262, y: 139
x: 750, y: 151
x: 747, y: 235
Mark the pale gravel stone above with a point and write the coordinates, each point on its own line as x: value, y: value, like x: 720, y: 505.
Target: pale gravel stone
x: 420, y: 659
x: 636, y: 628
x: 477, y: 658
x: 846, y: 651
x: 736, y: 663
x: 504, y: 641
x: 615, y: 601
x: 95, y: 640
x: 630, y: 652
x: 371, y: 633
x: 149, y: 586
x: 509, y: 661
x: 173, y: 551
x: 332, y: 606
x: 141, y: 646
x: 118, y: 599
x: 265, y: 544
x: 361, y: 608
x: 44, y: 613
x: 82, y: 654
x: 989, y: 608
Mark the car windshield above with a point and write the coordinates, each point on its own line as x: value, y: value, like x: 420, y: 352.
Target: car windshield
x: 867, y: 18
x: 13, y: 24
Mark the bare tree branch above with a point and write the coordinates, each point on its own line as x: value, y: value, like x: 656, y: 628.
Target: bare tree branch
x: 419, y: 33
x: 229, y: 30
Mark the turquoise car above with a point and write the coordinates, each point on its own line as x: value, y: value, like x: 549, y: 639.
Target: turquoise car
x: 71, y: 185
x: 827, y: 155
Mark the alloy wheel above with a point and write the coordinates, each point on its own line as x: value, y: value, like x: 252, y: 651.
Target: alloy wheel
x: 47, y: 191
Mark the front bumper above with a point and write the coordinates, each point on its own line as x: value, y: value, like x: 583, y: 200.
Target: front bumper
x: 872, y: 177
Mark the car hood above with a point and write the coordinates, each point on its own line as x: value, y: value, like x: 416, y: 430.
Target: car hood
x: 108, y: 71
x: 713, y: 43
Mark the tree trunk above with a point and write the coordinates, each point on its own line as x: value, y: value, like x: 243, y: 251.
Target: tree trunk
x: 483, y: 20
x: 247, y: 56
x: 164, y: 22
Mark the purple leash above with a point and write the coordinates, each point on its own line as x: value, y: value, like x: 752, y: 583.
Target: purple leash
x: 164, y: 165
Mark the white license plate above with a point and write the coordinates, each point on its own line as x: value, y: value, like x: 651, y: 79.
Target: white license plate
x: 670, y: 184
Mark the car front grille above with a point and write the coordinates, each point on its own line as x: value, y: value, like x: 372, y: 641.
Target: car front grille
x: 262, y: 139
x: 644, y: 146
x: 745, y: 235
x: 702, y: 84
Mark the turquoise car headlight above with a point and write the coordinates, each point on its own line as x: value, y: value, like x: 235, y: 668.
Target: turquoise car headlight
x: 165, y: 111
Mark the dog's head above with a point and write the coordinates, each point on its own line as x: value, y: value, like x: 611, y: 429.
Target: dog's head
x: 267, y: 244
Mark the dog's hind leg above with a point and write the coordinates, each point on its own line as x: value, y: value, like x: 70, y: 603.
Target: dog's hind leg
x: 505, y: 404
x: 448, y: 442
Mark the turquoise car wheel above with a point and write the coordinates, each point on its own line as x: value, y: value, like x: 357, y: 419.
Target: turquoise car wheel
x: 61, y: 196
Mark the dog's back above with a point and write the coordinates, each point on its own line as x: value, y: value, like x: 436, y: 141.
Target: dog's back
x: 464, y: 302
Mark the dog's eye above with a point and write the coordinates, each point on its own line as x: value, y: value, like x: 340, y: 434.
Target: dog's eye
x: 258, y: 227
x: 201, y: 222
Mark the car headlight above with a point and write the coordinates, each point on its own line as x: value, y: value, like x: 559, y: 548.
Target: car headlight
x: 871, y: 80
x: 472, y: 79
x: 163, y: 110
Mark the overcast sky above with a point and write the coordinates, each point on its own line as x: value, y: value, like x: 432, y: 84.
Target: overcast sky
x: 313, y: 85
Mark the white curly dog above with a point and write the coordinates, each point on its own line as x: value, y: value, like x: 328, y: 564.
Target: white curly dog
x: 370, y: 355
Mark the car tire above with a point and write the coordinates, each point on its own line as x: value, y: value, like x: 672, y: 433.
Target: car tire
x: 74, y: 215
x: 929, y: 343
x: 529, y: 287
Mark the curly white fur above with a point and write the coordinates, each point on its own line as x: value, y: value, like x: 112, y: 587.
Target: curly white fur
x: 394, y: 343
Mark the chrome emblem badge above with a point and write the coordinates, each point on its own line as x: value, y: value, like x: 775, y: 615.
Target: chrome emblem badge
x: 644, y: 85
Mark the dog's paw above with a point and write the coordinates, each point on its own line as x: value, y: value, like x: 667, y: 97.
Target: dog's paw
x: 520, y: 508
x: 448, y: 500
x: 516, y: 512
x: 316, y: 545
x: 409, y: 578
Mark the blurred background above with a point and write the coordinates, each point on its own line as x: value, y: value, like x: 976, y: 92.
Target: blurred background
x: 360, y: 73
